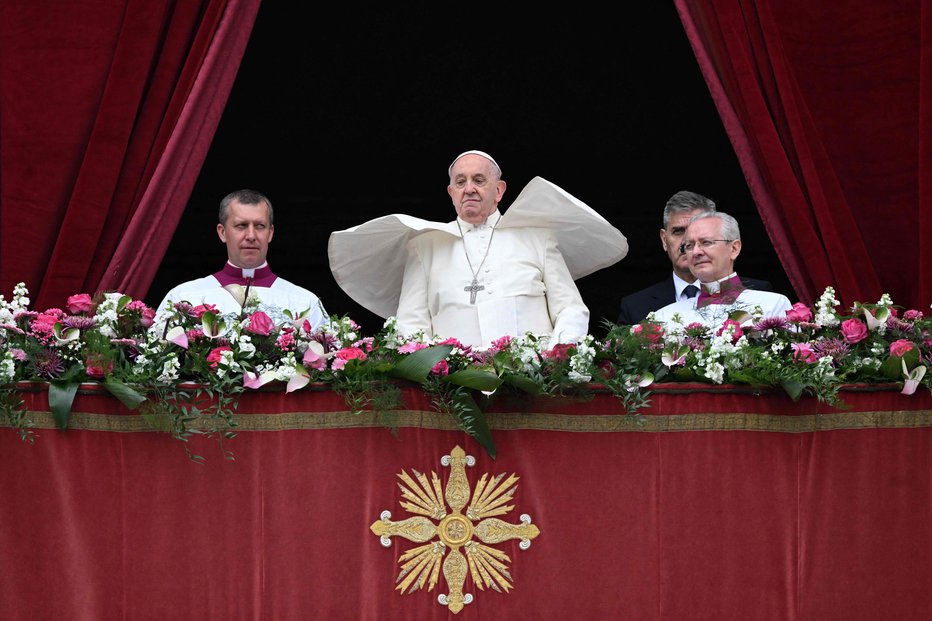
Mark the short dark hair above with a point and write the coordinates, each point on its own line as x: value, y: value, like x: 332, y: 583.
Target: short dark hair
x: 245, y: 197
x: 685, y: 201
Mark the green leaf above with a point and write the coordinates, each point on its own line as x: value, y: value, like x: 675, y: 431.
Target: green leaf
x: 892, y: 368
x: 472, y: 420
x: 127, y: 395
x: 61, y: 396
x: 416, y: 366
x: 475, y: 378
x: 522, y: 382
x: 793, y: 388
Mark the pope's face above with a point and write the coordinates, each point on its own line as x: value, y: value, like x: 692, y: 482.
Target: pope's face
x: 671, y: 238
x: 718, y: 259
x: 247, y: 233
x: 474, y: 189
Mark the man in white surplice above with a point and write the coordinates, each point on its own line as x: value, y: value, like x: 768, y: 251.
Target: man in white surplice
x: 486, y: 275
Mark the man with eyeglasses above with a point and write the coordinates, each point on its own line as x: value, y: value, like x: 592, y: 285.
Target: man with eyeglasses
x: 681, y: 284
x: 711, y: 244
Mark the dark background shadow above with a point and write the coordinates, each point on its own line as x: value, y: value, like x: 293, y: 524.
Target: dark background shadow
x: 359, y: 117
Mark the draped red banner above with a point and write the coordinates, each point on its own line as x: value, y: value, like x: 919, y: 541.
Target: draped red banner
x: 715, y: 504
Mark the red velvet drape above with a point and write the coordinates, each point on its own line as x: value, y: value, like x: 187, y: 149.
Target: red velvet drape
x: 106, y: 112
x: 824, y: 104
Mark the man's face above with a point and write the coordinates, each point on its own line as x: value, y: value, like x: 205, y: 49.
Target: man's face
x: 718, y: 259
x: 671, y: 238
x: 247, y: 233
x: 474, y: 189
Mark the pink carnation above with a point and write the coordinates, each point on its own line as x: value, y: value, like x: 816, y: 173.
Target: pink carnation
x: 853, y: 330
x: 899, y: 347
x: 501, y: 343
x: 260, y: 323
x: 410, y: 348
x: 80, y: 303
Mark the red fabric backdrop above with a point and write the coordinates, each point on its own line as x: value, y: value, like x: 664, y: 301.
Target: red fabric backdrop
x: 716, y: 506
x: 107, y: 113
x: 827, y: 107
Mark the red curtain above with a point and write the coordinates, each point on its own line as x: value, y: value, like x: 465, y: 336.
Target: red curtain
x: 107, y: 113
x: 823, y: 103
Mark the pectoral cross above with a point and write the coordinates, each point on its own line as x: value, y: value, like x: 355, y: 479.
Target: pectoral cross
x: 473, y: 289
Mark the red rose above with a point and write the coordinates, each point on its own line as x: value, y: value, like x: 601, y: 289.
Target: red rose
x: 260, y: 323
x: 216, y: 355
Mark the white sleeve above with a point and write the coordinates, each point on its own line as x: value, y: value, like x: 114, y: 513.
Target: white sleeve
x: 568, y: 312
x: 413, y: 313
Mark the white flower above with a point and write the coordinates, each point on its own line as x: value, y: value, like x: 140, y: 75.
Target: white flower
x: 170, y: 370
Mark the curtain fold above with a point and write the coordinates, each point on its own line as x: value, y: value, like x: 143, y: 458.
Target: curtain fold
x: 823, y: 106
x: 96, y: 102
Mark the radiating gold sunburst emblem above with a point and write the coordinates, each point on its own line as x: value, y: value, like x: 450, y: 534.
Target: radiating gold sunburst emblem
x: 451, y: 534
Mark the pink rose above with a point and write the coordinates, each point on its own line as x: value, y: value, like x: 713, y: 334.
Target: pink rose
x: 738, y: 333
x: 97, y: 366
x: 80, y: 303
x: 341, y: 357
x: 900, y: 347
x: 802, y: 352
x: 912, y: 315
x: 799, y: 313
x: 147, y: 318
x: 260, y: 323
x: 200, y: 309
x: 853, y: 330
x: 216, y: 355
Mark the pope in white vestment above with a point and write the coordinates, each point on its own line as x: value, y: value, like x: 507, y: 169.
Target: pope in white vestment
x: 484, y: 275
x: 522, y: 285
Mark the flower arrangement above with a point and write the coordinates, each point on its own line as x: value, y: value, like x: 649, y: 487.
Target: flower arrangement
x: 184, y: 367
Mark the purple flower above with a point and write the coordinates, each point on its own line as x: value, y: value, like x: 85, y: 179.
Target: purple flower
x: 834, y: 347
x: 79, y: 322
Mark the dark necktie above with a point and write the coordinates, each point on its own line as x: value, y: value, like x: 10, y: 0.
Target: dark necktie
x: 690, y: 291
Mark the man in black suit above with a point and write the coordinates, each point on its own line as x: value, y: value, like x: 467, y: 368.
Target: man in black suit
x: 681, y: 284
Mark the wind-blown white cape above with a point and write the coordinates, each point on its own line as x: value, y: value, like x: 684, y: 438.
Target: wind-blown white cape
x: 368, y: 261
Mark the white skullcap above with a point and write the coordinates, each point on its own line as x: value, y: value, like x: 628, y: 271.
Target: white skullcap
x: 472, y: 152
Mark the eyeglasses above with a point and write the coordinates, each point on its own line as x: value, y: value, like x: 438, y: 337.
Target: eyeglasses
x: 703, y: 243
